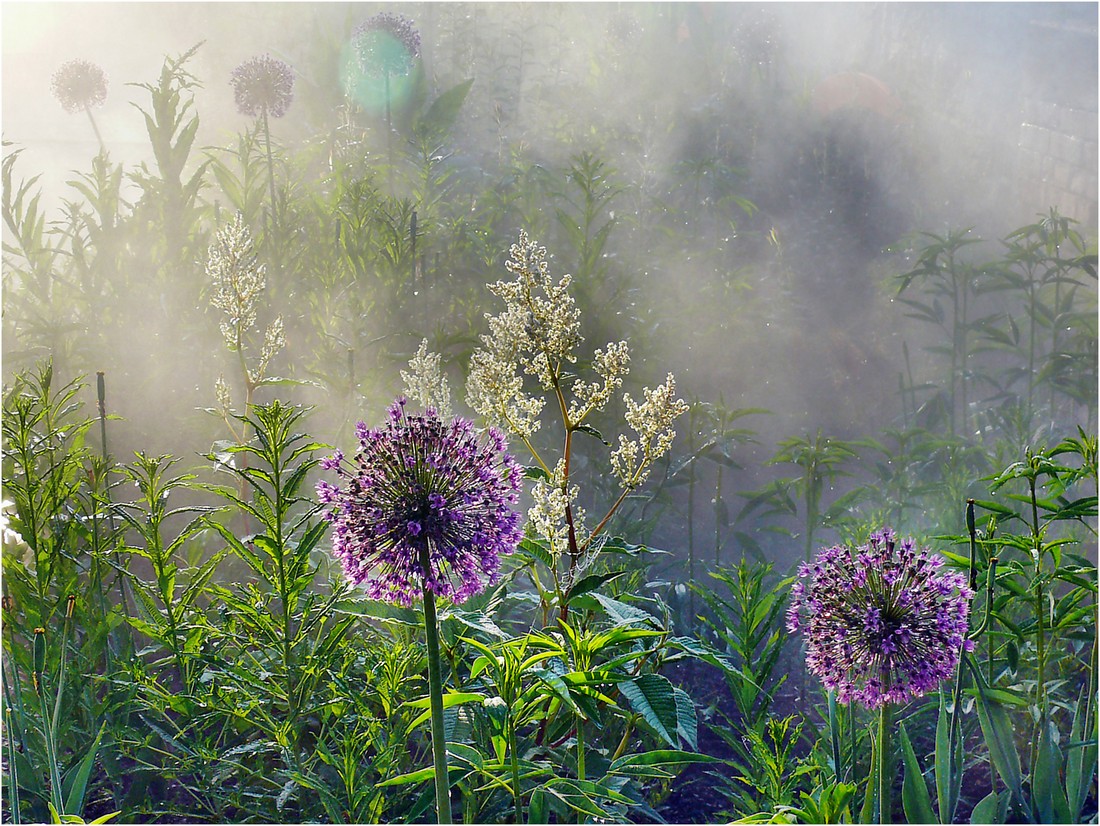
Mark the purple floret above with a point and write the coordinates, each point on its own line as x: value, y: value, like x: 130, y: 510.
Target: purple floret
x: 883, y: 623
x: 420, y: 484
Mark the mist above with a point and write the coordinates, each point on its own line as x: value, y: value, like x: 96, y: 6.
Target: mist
x: 758, y: 166
x: 715, y: 368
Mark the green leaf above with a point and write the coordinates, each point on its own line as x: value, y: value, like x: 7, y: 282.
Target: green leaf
x: 1081, y: 762
x: 75, y: 783
x: 651, y: 695
x: 450, y: 700
x: 537, y: 550
x: 536, y: 473
x: 1048, y: 796
x: 538, y: 810
x: 997, y: 729
x: 986, y: 810
x: 418, y: 776
x: 914, y: 791
x: 622, y: 613
x: 444, y: 110
x: 867, y: 811
x: 591, y: 583
x: 591, y: 431
x: 659, y: 757
x: 948, y: 766
x: 687, y: 723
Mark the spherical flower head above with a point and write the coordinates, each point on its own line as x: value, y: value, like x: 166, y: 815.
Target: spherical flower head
x: 421, y: 487
x: 263, y: 84
x: 78, y: 85
x: 883, y: 622
x: 387, y: 44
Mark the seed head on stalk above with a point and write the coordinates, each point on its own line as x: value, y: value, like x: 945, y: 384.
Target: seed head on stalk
x: 79, y: 84
x: 263, y: 84
x: 387, y: 44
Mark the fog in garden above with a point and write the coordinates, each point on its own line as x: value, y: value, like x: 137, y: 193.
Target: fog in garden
x: 786, y: 147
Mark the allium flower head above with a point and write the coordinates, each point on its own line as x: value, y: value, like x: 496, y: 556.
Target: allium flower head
x: 263, y: 84
x: 421, y: 485
x: 387, y: 43
x: 883, y: 622
x: 78, y: 85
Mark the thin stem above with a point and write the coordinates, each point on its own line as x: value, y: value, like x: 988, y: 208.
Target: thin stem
x: 717, y: 523
x: 435, y: 694
x: 580, y: 748
x: 625, y: 741
x: 834, y: 736
x: 517, y: 792
x: 270, y: 169
x: 885, y: 777
x: 1039, y: 599
x: 389, y: 129
x: 98, y: 137
x: 13, y: 770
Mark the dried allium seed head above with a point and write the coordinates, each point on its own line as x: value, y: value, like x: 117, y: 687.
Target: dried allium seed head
x: 263, y: 84
x: 79, y: 84
x: 883, y: 622
x: 387, y: 44
x: 420, y: 484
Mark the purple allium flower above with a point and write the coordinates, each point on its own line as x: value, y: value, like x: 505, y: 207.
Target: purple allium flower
x: 79, y: 84
x: 420, y: 484
x: 263, y: 84
x: 883, y: 622
x: 387, y: 43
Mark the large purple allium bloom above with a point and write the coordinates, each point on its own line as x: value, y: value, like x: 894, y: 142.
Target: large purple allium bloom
x: 387, y: 43
x: 79, y: 84
x: 883, y: 623
x: 263, y: 84
x: 419, y: 484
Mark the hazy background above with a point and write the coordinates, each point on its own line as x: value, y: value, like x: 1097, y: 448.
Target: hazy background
x: 977, y: 115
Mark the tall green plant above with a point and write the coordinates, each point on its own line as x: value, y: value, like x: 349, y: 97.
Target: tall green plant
x: 948, y: 284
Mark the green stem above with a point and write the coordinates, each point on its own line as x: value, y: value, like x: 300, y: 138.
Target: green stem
x: 834, y: 736
x: 435, y: 694
x: 717, y: 522
x: 13, y: 773
x: 517, y: 792
x: 580, y: 748
x: 98, y: 137
x: 48, y: 731
x: 270, y: 170
x: 1039, y: 598
x: 885, y: 776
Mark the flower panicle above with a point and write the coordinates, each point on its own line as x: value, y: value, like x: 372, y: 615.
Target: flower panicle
x: 883, y: 622
x: 238, y: 281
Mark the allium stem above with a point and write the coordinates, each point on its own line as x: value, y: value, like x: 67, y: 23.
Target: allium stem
x: 513, y: 746
x: 885, y: 776
x: 98, y: 137
x: 435, y: 695
x: 270, y: 170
